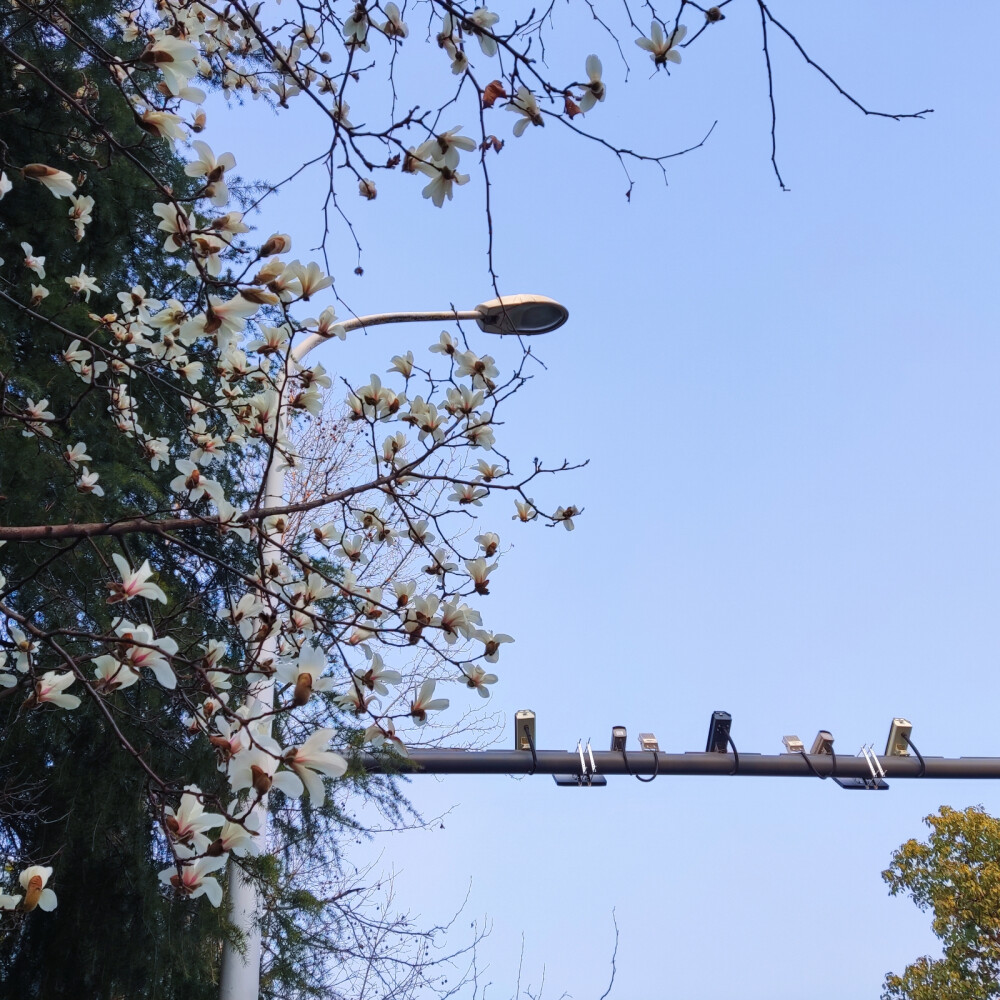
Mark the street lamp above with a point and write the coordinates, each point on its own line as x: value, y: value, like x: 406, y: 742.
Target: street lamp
x: 526, y: 315
x: 523, y: 315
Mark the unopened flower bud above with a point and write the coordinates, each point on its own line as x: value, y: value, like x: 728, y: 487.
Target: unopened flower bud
x: 303, y: 690
x: 278, y: 243
x: 261, y: 780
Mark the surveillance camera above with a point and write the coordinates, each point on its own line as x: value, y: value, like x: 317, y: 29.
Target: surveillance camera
x: 524, y: 729
x: 899, y: 736
x: 718, y: 733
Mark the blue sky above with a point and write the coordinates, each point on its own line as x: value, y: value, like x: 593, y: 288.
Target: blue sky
x: 789, y: 405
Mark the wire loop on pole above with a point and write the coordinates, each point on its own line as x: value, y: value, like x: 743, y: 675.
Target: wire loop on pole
x: 656, y: 770
x: 809, y: 764
x: 736, y: 755
x: 531, y: 746
x: 923, y: 763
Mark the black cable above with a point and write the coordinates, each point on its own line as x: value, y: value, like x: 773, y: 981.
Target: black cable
x: 656, y: 770
x: 809, y: 763
x: 736, y: 754
x: 923, y: 763
x: 625, y: 758
x: 531, y: 745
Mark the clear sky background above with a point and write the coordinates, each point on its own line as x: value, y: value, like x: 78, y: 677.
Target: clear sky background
x: 789, y: 403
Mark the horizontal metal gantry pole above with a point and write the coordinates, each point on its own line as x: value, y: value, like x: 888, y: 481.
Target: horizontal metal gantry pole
x: 609, y: 763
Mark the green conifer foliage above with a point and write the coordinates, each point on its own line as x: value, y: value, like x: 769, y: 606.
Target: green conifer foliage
x: 116, y: 932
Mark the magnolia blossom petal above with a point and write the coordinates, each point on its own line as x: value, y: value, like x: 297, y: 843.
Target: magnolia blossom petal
x: 289, y: 783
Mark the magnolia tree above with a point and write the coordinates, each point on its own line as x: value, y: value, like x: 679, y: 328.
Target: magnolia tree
x: 368, y: 586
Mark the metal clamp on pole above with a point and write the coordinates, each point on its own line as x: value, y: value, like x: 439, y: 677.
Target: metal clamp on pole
x: 875, y: 783
x: 588, y: 776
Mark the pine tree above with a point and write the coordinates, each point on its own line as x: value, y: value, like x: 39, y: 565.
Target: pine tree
x: 115, y: 932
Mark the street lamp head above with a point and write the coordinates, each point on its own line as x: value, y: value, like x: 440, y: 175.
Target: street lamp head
x: 521, y: 314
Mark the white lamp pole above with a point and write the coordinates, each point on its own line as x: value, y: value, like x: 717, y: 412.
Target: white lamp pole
x: 522, y: 315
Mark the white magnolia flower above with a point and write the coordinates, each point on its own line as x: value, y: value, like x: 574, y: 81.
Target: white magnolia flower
x: 244, y: 614
x: 112, y: 674
x: 376, y: 676
x: 327, y: 325
x: 426, y: 702
x: 402, y: 364
x: 443, y: 181
x: 458, y: 620
x: 384, y: 732
x: 481, y: 369
x: 257, y: 768
x: 445, y: 344
x: 144, y: 649
x: 404, y: 591
x: 174, y: 222
x: 82, y: 283
x: 442, y: 149
x: 135, y: 583
x: 194, y: 484
x: 80, y: 208
x: 419, y: 533
x: 240, y: 838
x: 394, y: 27
x: 49, y: 690
x: 305, y: 673
x: 469, y: 493
x: 483, y: 19
x: 87, y: 483
x: 312, y: 759
x: 525, y: 511
x: 524, y: 104
x: 5, y: 184
x: 490, y: 542
x: 595, y: 90
x: 57, y: 181
x: 356, y: 28
x: 37, y: 415
x: 477, y: 678
x: 480, y: 435
x: 661, y: 48
x: 32, y: 261
x: 492, y: 641
x: 33, y: 880
x: 311, y: 277
x: 213, y: 170
x: 190, y: 818
x: 352, y: 548
x: 23, y: 648
x: 176, y: 59
x: 479, y: 570
x: 164, y: 124
x: 194, y: 878
x: 440, y: 565
x: 566, y: 515
x: 354, y: 700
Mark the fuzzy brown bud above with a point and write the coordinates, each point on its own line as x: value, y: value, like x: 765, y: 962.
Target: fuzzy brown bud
x: 261, y: 780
